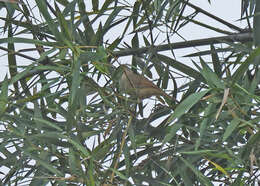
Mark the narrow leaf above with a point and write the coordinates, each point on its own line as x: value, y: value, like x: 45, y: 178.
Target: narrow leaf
x: 51, y: 24
x: 186, y: 104
x: 172, y: 132
x: 3, y: 96
x: 256, y: 24
x: 215, y: 60
x: 203, y: 178
x: 244, y: 66
x: 231, y: 127
x: 211, y: 77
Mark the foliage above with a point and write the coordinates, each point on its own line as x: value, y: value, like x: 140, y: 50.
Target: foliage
x: 64, y: 121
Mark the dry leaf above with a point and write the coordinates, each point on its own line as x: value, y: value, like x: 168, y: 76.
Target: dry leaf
x: 224, y: 100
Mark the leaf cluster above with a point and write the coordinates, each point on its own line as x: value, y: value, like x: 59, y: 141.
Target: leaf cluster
x: 63, y: 120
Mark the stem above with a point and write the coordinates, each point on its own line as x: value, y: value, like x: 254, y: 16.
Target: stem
x: 121, y: 148
x: 240, y: 37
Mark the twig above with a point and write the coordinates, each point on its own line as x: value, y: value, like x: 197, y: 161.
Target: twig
x: 121, y: 148
x: 215, y: 17
x: 240, y: 37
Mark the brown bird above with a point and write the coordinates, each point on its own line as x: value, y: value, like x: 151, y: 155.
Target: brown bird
x: 139, y: 86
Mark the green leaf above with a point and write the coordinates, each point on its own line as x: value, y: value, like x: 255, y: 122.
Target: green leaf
x: 172, y: 132
x: 211, y: 77
x: 198, y: 152
x: 99, y: 55
x: 239, y: 73
x: 203, y: 178
x: 95, y: 5
x: 45, y: 164
x: 165, y: 77
x: 231, y: 127
x: 205, y: 122
x: 51, y: 23
x: 63, y: 2
x: 12, y: 59
x: 101, y: 64
x: 47, y: 123
x: 216, y: 61
x: 252, y: 142
x: 250, y: 95
x: 122, y: 176
x: 180, y: 66
x: 256, y: 24
x: 28, y: 41
x: 186, y: 104
x: 100, y: 152
x: 212, y: 53
x: 4, y: 96
x: 78, y: 146
x: 90, y: 172
x: 65, y: 30
x: 75, y: 81
x: 132, y: 137
x: 110, y: 19
x: 74, y: 160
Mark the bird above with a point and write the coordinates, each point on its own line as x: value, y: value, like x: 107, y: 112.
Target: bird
x: 139, y: 86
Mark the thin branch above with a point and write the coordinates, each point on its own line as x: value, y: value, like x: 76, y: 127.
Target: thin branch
x: 241, y: 37
x: 215, y: 17
x: 121, y: 149
x: 18, y: 54
x: 208, y: 26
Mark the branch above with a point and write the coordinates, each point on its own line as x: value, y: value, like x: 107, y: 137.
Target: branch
x: 240, y: 37
x: 18, y: 54
x: 215, y: 17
